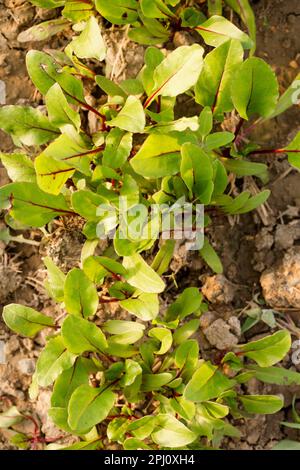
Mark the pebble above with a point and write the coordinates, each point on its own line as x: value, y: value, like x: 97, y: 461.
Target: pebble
x: 26, y: 366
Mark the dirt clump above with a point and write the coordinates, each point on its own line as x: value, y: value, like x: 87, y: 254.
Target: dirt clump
x: 281, y: 283
x: 223, y: 335
x: 217, y: 289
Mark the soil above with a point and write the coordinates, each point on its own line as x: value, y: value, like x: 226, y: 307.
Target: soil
x: 259, y: 251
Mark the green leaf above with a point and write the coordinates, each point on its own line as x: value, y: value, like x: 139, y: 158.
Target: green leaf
x: 158, y: 156
x: 135, y: 444
x: 117, y: 149
x: 53, y: 360
x: 243, y: 8
x: 142, y: 305
x: 186, y: 303
x: 216, y: 410
x: 261, y: 404
x: 287, y: 444
x: 44, y: 30
x: 153, y: 57
x: 86, y: 203
x: 89, y: 44
x: 117, y: 428
x: 254, y: 202
x: 171, y: 433
x: 56, y: 280
x: 10, y: 417
x: 269, y: 350
x: 254, y: 89
x: 294, y: 156
x: 19, y: 167
x: 156, y: 9
x: 197, y: 171
x: 77, y: 11
x: 98, y: 267
x: 143, y: 427
x: 211, y: 257
x: 132, y: 371
x: 89, y: 406
x: 26, y: 125
x: 121, y: 350
x: 132, y: 86
x: 214, y: 85
x: 124, y: 332
x: 288, y: 99
x: 155, y: 381
x: 118, y: 11
x: 163, y: 257
x: 58, y: 162
x: 218, y: 139
x: 70, y: 379
x: 246, y: 168
x: 131, y: 117
x: 183, y: 333
x: 207, y: 383
x: 214, y: 7
x: 152, y: 32
x: 44, y: 71
x: 80, y: 335
x: 80, y: 294
x: 179, y: 125
x: 59, y: 111
x: 184, y: 408
x: 141, y: 275
x: 164, y: 336
x: 59, y: 417
x: 25, y: 320
x: 48, y: 3
x: 83, y: 445
x: 243, y: 203
x: 217, y: 30
x: 109, y: 87
x: 52, y: 174
x: 177, y: 73
x: 276, y: 375
x: 205, y: 118
x: 187, y: 354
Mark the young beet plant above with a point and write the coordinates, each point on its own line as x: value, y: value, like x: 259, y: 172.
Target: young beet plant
x: 151, y: 21
x: 140, y: 383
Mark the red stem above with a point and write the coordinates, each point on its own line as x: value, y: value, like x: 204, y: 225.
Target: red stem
x: 238, y: 128
x: 107, y: 301
x: 264, y: 151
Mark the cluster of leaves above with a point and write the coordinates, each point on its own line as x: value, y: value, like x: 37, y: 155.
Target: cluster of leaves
x: 152, y: 21
x: 149, y: 388
x: 141, y: 383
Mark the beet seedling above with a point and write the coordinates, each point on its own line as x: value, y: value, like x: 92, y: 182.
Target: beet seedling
x: 152, y: 21
x: 140, y: 382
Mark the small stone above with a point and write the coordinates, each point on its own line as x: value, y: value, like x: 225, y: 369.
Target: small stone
x: 286, y: 235
x: 294, y: 64
x: 281, y: 283
x: 217, y: 289
x: 206, y: 319
x: 218, y: 334
x: 12, y: 345
x: 235, y: 325
x: 182, y: 38
x: 26, y: 366
x: 264, y: 240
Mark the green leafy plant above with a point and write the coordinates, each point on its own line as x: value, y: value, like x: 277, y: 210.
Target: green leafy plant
x: 152, y: 21
x: 140, y: 382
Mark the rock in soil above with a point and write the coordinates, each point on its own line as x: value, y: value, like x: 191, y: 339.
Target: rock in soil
x: 222, y: 335
x: 281, y: 283
x: 217, y: 289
